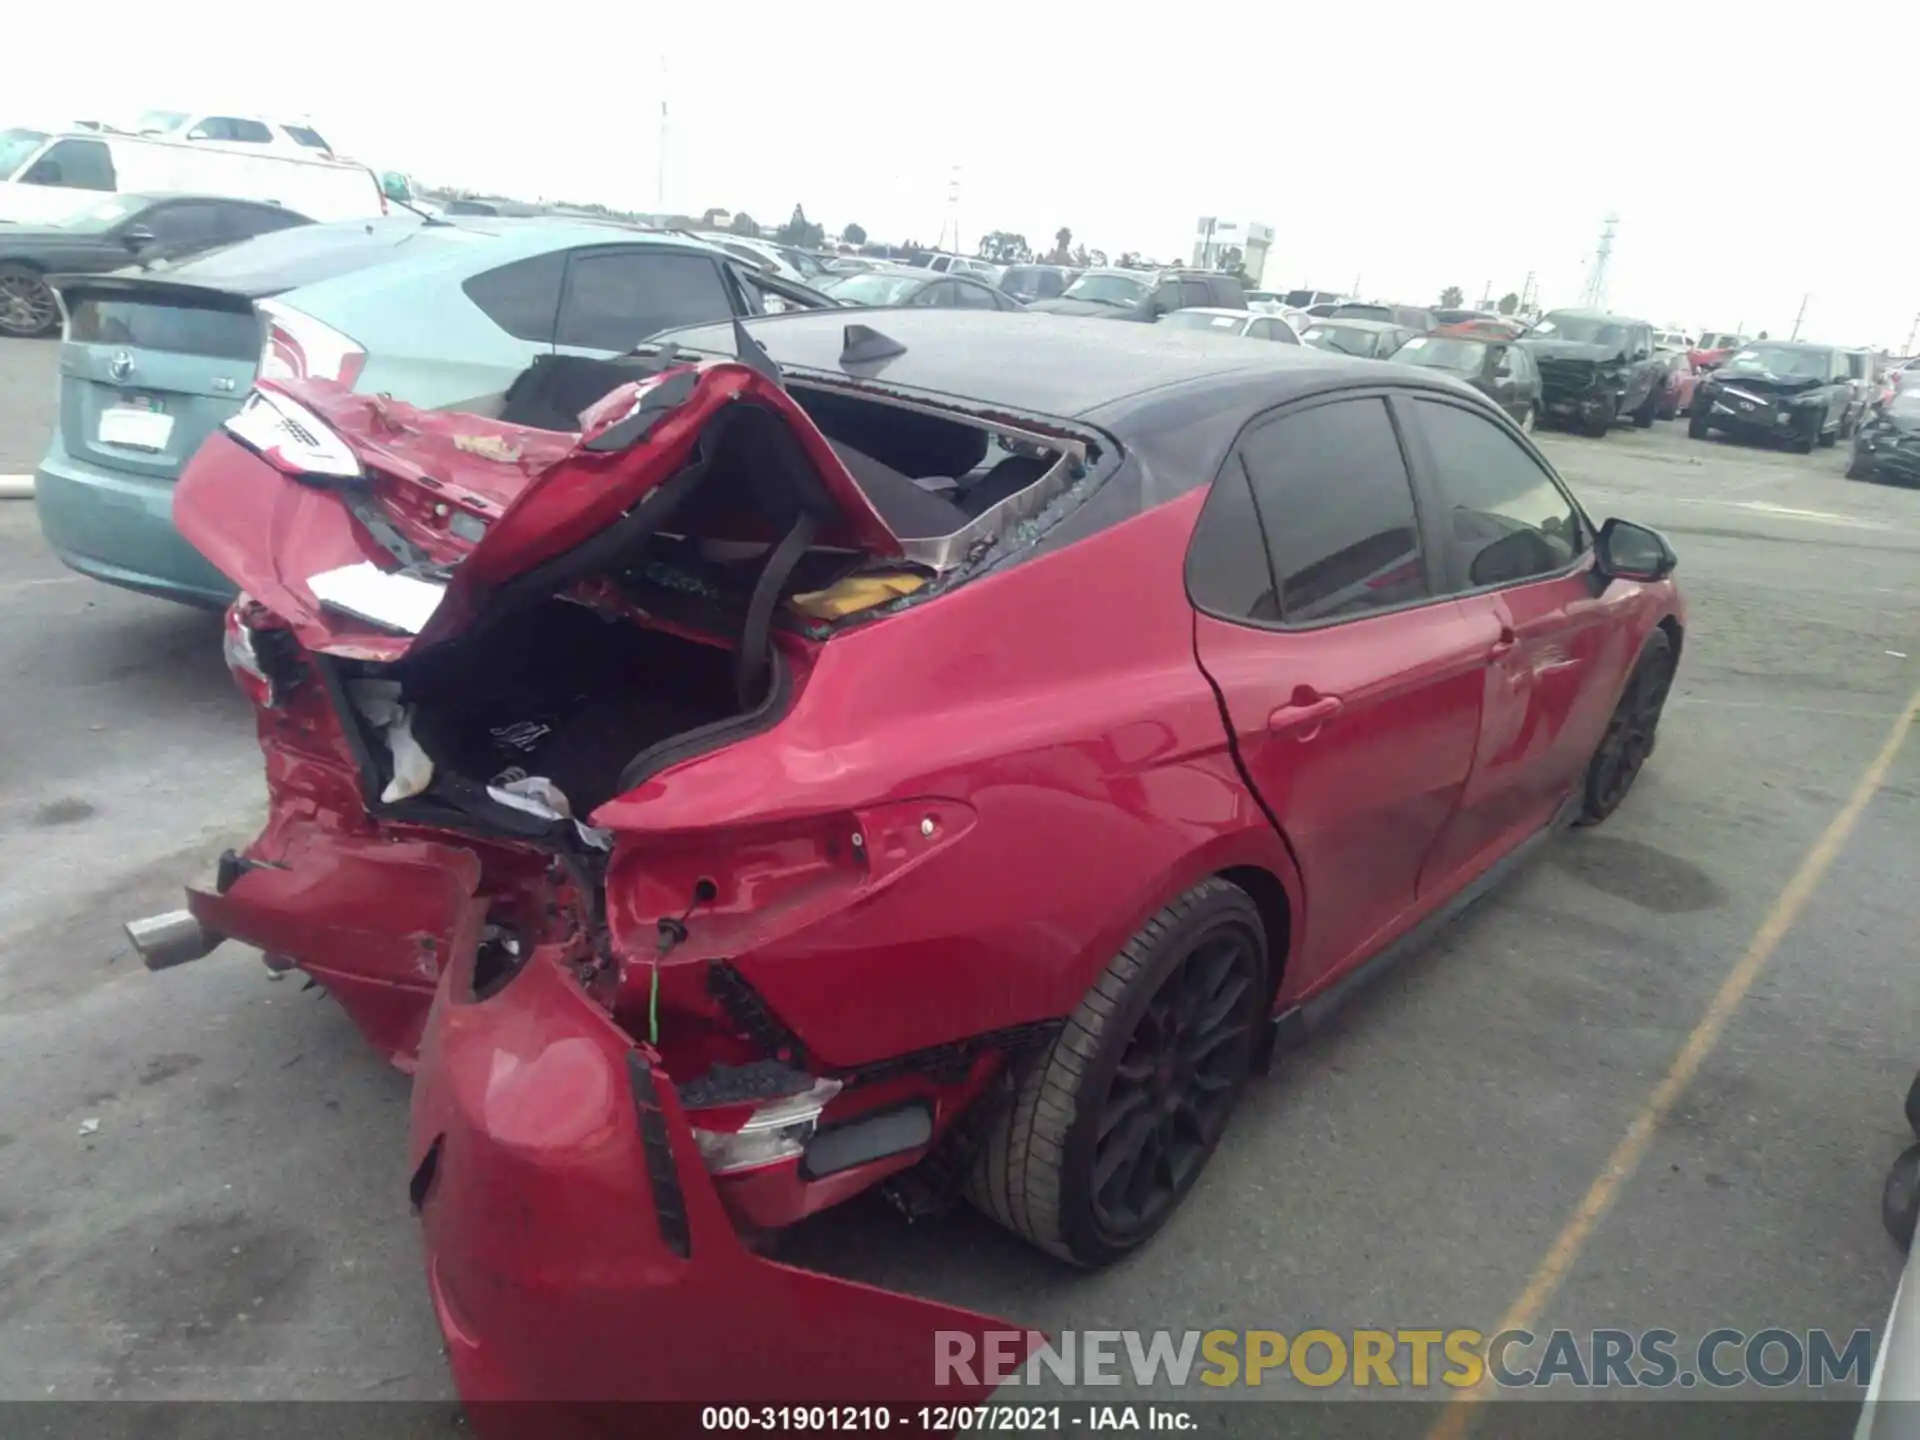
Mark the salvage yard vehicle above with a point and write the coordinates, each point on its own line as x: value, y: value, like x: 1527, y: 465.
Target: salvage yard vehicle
x: 719, y: 824
x: 112, y: 234
x: 1363, y: 339
x: 1887, y: 444
x: 1144, y: 295
x: 1249, y: 324
x: 1501, y: 371
x: 1676, y: 389
x: 47, y: 176
x: 899, y: 285
x: 1596, y: 369
x: 1777, y: 390
x: 434, y: 313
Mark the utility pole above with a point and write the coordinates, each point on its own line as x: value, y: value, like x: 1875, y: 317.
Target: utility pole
x: 1596, y: 296
x: 1486, y: 295
x: 1526, y: 292
x: 1356, y: 284
x: 1798, y: 318
x: 1910, y: 334
x: 953, y: 207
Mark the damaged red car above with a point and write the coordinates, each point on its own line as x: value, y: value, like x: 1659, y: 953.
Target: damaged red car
x: 944, y: 752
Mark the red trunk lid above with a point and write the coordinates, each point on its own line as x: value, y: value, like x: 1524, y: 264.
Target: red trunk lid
x: 477, y: 500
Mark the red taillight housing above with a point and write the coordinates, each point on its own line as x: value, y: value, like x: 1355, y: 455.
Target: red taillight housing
x: 299, y: 347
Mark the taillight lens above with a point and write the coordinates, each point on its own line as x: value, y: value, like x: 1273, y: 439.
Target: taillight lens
x: 299, y: 347
x: 291, y: 438
x: 776, y: 1130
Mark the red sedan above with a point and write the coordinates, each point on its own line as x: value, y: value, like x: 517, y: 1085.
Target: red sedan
x: 942, y: 756
x: 1676, y: 392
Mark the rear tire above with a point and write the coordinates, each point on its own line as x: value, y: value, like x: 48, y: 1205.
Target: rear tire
x: 1697, y: 427
x: 1831, y: 438
x: 1859, y: 467
x: 1900, y: 1197
x: 1112, y: 1123
x: 27, y: 306
x: 1649, y: 410
x: 1631, y: 732
x: 1530, y: 421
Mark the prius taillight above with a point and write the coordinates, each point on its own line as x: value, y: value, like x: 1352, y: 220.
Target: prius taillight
x: 298, y: 347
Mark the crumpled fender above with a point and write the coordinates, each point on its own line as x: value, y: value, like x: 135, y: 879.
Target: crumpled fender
x: 577, y: 1250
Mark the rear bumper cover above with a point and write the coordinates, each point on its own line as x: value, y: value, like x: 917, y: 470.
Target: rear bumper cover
x: 577, y: 1250
x: 119, y: 528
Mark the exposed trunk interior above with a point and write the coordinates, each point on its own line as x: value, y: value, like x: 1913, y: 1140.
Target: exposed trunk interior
x: 560, y: 679
x: 564, y: 692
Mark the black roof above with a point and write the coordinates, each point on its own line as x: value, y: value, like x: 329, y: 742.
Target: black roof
x: 1065, y: 366
x: 1807, y: 346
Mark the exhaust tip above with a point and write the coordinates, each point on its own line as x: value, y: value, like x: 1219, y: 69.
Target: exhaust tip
x: 174, y: 938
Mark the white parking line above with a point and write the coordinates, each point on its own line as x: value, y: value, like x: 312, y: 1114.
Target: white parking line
x: 1825, y: 517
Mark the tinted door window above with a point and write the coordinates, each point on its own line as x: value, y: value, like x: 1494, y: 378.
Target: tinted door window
x: 76, y: 164
x: 1259, y: 330
x: 939, y: 295
x: 1195, y: 292
x: 1502, y: 518
x: 974, y: 297
x: 242, y: 222
x: 1330, y: 490
x: 523, y: 298
x: 186, y: 226
x: 614, y: 301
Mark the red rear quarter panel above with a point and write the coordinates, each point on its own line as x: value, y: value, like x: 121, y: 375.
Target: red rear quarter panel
x: 1060, y: 704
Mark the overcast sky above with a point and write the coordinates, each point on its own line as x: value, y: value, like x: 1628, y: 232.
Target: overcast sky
x: 1752, y: 152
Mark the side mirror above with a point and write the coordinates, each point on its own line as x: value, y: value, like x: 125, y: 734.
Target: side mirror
x: 1626, y: 551
x: 136, y: 238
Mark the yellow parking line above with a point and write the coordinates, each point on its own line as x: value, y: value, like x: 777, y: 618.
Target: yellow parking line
x: 1627, y: 1155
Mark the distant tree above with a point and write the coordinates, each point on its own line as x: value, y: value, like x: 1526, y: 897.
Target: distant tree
x: 1509, y: 303
x: 1129, y: 260
x: 1230, y: 260
x: 1097, y: 258
x: 800, y: 231
x: 1062, y: 252
x: 743, y: 224
x: 1079, y: 258
x: 854, y: 234
x: 1004, y: 247
x: 1451, y: 298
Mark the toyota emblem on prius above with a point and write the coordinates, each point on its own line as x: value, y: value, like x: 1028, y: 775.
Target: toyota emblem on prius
x: 120, y: 367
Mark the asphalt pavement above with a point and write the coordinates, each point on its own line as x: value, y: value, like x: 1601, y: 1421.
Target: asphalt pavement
x: 236, y: 1226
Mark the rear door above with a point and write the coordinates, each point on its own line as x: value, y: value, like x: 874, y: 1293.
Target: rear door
x: 149, y: 368
x: 616, y: 296
x: 1352, y: 693
x: 1517, y: 554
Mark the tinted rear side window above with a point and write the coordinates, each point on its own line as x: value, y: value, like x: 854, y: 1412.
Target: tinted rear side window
x: 303, y: 135
x: 614, y: 301
x: 1336, y: 506
x: 523, y: 298
x: 175, y: 329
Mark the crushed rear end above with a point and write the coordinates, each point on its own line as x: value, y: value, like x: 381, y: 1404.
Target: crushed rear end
x: 492, y: 666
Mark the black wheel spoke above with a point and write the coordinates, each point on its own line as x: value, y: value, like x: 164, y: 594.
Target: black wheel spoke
x: 1180, y: 1072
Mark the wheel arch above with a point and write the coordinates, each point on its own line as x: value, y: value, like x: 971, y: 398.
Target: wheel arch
x: 1270, y: 897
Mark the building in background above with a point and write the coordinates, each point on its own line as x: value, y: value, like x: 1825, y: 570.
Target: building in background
x: 1232, y: 245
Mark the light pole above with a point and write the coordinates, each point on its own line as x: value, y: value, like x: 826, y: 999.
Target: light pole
x: 1798, y: 318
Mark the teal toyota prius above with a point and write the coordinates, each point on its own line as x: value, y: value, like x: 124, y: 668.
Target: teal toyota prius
x: 440, y: 314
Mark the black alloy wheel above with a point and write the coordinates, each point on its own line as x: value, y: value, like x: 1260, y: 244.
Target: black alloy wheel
x: 1175, y: 1086
x: 27, y: 306
x: 1631, y: 731
x: 1110, y: 1126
